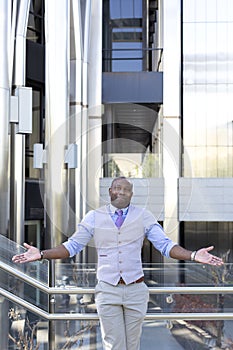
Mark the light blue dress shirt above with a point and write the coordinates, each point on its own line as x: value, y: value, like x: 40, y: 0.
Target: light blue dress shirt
x: 154, y: 233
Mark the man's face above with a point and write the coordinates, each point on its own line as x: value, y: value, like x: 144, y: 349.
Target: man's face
x: 121, y: 193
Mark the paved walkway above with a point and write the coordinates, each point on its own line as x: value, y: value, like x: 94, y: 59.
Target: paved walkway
x: 156, y: 335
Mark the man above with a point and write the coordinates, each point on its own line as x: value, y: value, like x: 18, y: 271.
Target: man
x: 118, y: 230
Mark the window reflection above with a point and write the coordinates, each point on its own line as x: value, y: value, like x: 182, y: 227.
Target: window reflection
x: 35, y: 28
x: 123, y: 35
x: 218, y: 233
x: 207, y: 88
x: 129, y: 38
x: 127, y: 144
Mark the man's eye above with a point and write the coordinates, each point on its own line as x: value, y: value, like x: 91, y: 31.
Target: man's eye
x: 119, y: 188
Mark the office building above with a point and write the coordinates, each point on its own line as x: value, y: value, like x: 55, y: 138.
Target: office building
x: 95, y: 89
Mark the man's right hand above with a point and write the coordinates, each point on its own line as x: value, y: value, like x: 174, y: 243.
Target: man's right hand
x: 32, y: 254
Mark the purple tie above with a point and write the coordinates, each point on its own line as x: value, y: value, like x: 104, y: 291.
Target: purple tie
x: 120, y: 219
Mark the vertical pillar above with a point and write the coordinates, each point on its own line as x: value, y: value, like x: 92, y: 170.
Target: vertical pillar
x: 85, y: 106
x: 57, y: 59
x: 94, y: 89
x: 5, y: 13
x: 17, y: 179
x: 57, y: 112
x: 76, y: 104
x: 5, y: 26
x: 171, y: 112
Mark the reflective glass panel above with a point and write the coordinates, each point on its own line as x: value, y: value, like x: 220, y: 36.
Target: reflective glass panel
x: 207, y: 88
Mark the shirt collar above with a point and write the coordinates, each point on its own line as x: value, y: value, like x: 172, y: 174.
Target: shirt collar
x: 113, y: 209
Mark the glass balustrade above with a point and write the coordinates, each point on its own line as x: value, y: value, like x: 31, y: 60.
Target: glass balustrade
x: 190, y: 305
x: 37, y: 270
x: 29, y: 331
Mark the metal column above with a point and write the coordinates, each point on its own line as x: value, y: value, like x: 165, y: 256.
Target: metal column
x: 17, y: 180
x: 57, y: 21
x: 5, y: 26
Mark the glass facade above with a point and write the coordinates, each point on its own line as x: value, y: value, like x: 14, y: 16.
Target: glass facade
x: 128, y: 36
x: 132, y: 146
x: 128, y: 150
x: 207, y: 88
x: 35, y: 28
x: 122, y: 36
x: 218, y: 234
x: 128, y: 143
x: 207, y: 119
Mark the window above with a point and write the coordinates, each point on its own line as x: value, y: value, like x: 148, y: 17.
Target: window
x: 128, y: 40
x: 207, y: 88
x: 35, y: 29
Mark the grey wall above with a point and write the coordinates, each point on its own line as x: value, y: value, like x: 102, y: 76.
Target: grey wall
x: 202, y: 199
x: 138, y: 87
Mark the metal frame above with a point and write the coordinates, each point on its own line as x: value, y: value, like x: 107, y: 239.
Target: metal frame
x: 92, y: 316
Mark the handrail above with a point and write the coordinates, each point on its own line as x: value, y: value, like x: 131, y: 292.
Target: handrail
x: 94, y: 316
x: 142, y: 49
x: 45, y: 314
x: 90, y: 290
x: 139, y: 49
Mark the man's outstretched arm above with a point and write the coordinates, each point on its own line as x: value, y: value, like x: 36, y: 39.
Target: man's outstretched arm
x: 202, y: 255
x: 33, y: 254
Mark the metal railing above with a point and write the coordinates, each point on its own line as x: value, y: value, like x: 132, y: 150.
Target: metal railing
x: 25, y: 292
x: 108, y: 56
x: 93, y: 316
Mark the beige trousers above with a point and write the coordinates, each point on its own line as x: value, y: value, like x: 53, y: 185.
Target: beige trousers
x: 121, y: 310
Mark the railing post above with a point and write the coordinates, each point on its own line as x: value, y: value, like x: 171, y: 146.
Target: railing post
x: 51, y: 325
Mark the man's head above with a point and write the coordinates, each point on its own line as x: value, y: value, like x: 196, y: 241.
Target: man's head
x: 121, y: 192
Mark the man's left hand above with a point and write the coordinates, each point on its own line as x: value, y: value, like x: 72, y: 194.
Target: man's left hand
x: 203, y: 256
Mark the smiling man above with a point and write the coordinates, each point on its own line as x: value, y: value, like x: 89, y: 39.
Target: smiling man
x: 118, y: 230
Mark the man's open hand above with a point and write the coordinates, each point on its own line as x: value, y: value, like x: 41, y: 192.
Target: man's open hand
x: 32, y: 254
x: 203, y: 256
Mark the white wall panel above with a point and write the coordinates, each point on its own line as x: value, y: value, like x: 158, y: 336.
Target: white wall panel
x: 202, y: 199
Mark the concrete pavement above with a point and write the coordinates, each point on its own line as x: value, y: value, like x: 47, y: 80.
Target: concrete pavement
x: 156, y: 335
